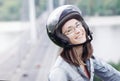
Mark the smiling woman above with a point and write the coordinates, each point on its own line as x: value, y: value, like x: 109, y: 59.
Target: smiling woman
x: 76, y: 62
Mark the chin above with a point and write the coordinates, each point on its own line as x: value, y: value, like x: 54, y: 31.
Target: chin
x: 80, y: 42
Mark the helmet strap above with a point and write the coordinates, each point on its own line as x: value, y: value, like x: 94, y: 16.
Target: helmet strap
x: 89, y: 39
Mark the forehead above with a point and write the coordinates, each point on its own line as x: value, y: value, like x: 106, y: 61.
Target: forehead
x: 69, y: 23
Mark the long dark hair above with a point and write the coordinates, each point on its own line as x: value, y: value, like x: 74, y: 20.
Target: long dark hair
x: 70, y: 55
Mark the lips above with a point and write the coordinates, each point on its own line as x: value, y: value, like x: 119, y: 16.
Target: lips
x: 79, y: 36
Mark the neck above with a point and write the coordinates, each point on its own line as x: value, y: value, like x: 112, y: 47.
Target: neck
x: 78, y: 50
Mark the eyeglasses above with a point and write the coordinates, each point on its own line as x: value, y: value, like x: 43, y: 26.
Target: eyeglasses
x: 71, y: 29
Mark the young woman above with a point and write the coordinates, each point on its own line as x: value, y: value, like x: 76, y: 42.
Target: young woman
x: 67, y: 29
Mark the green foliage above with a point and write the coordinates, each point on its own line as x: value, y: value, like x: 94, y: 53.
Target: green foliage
x: 100, y: 7
x: 97, y: 78
x: 41, y: 6
x: 115, y: 65
x: 9, y: 10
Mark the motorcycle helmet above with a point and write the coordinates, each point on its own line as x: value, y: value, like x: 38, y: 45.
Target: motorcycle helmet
x: 58, y: 18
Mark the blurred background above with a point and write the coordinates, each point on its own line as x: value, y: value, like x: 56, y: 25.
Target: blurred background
x: 27, y: 54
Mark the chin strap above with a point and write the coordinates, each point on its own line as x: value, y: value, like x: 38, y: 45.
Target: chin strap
x: 89, y: 39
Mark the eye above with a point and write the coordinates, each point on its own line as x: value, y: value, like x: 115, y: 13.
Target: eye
x: 78, y: 25
x: 69, y: 30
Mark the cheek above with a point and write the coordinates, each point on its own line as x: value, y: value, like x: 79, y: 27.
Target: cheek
x: 82, y: 30
x: 73, y: 40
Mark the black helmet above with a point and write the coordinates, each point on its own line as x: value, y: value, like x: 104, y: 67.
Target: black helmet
x: 58, y: 18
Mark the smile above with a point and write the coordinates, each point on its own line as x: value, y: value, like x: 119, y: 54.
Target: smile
x: 79, y: 36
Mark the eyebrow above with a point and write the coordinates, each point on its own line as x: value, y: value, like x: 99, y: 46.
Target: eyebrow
x: 69, y: 27
x: 75, y: 24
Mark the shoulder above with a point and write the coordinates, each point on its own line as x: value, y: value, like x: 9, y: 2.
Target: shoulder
x: 58, y: 71
x: 58, y: 74
x: 97, y: 62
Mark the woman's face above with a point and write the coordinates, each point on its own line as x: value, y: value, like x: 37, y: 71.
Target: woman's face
x: 74, y: 30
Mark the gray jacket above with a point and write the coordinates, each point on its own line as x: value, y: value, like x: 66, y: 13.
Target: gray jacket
x: 63, y: 71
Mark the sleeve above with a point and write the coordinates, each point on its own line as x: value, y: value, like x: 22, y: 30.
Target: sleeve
x: 105, y: 71
x: 57, y: 75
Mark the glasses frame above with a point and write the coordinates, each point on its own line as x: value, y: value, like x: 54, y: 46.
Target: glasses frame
x: 71, y: 29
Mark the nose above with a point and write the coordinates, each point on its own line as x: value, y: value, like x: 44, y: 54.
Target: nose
x: 77, y: 31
